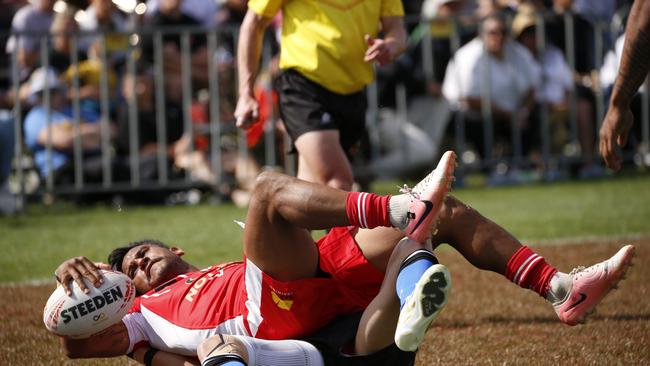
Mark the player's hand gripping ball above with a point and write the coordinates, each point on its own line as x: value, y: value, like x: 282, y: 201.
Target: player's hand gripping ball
x: 81, y: 315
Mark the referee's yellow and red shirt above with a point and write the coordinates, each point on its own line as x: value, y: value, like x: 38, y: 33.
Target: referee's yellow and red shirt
x: 323, y: 39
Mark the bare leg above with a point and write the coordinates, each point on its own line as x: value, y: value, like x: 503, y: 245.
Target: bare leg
x: 379, y: 320
x: 322, y: 160
x: 482, y: 242
x: 281, y: 213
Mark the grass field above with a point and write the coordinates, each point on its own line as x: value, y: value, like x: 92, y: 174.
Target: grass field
x: 35, y: 244
x: 488, y: 321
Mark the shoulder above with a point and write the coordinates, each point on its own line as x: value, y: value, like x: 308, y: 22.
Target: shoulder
x: 22, y: 15
x: 472, y: 49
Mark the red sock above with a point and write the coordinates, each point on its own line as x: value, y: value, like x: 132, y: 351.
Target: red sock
x: 367, y: 210
x: 528, y: 269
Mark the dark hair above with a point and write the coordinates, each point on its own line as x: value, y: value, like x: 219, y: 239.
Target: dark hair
x: 116, y: 257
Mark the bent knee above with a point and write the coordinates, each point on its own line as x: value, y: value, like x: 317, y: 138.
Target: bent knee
x: 453, y: 208
x: 267, y: 183
x: 221, y: 344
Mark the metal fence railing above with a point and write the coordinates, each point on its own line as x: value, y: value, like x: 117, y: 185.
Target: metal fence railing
x: 217, y: 139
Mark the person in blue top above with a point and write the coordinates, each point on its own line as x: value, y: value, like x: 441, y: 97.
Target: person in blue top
x: 55, y: 126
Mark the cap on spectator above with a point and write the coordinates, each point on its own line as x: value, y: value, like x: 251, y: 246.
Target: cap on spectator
x: 525, y: 18
x: 43, y: 78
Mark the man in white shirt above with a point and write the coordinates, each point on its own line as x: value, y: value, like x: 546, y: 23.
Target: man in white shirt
x: 493, y: 69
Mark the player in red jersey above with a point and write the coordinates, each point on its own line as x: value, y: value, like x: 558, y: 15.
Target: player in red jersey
x: 287, y: 287
x: 296, y: 287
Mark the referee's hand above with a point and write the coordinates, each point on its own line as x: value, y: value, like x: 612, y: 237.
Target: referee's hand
x: 247, y: 111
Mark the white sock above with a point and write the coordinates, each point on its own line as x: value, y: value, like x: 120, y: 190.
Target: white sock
x: 559, y: 288
x: 397, y: 210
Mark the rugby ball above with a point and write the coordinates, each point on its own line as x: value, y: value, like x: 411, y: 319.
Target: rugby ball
x: 81, y: 315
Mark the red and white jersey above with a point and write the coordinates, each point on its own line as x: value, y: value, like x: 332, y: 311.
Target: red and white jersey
x: 239, y: 299
x: 181, y: 313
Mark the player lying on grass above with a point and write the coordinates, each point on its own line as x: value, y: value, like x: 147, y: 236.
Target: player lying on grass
x: 288, y: 287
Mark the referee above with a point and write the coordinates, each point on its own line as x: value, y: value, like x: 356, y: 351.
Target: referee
x: 327, y: 51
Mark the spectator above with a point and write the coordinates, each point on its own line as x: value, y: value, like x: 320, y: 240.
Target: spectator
x: 326, y: 55
x: 584, y: 64
x: 63, y: 26
x: 202, y: 11
x: 35, y: 17
x: 139, y: 89
x: 171, y: 14
x: 495, y: 64
x: 103, y: 16
x: 555, y: 85
x: 56, y: 126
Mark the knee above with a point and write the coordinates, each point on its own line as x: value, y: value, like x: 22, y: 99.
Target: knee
x: 453, y: 209
x: 344, y: 183
x: 267, y: 185
x: 222, y: 345
x: 404, y: 248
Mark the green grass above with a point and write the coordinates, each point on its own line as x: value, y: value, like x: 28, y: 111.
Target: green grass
x: 33, y: 245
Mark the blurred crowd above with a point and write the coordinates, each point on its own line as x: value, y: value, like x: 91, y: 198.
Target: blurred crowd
x: 514, y: 62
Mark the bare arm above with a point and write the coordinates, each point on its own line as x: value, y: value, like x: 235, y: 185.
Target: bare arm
x: 392, y: 45
x: 162, y: 358
x: 248, y: 60
x: 111, y: 342
x: 635, y: 63
x: 63, y: 135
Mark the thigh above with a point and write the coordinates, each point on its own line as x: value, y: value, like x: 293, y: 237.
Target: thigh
x: 281, y: 250
x: 323, y: 158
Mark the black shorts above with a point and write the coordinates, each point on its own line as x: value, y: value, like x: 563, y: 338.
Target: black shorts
x: 332, y: 339
x: 306, y: 106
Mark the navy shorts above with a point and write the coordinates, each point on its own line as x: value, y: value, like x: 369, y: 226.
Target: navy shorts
x: 340, y: 334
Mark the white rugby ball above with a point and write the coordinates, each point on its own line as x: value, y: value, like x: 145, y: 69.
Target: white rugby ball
x: 81, y: 315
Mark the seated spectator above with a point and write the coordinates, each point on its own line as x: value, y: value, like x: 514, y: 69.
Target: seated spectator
x: 555, y: 84
x: 34, y: 17
x: 584, y: 64
x: 495, y: 64
x: 170, y: 14
x: 89, y: 73
x: 63, y: 26
x: 205, y: 12
x: 139, y: 89
x: 56, y: 127
x: 104, y: 16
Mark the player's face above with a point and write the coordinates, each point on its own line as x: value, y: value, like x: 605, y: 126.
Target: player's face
x: 151, y: 265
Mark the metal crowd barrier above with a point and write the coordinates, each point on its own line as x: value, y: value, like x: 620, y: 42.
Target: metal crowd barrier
x: 216, y: 127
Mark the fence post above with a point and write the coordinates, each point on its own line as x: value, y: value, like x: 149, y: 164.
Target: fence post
x: 161, y: 119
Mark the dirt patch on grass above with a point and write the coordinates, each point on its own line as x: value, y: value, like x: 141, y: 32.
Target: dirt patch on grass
x: 488, y: 320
